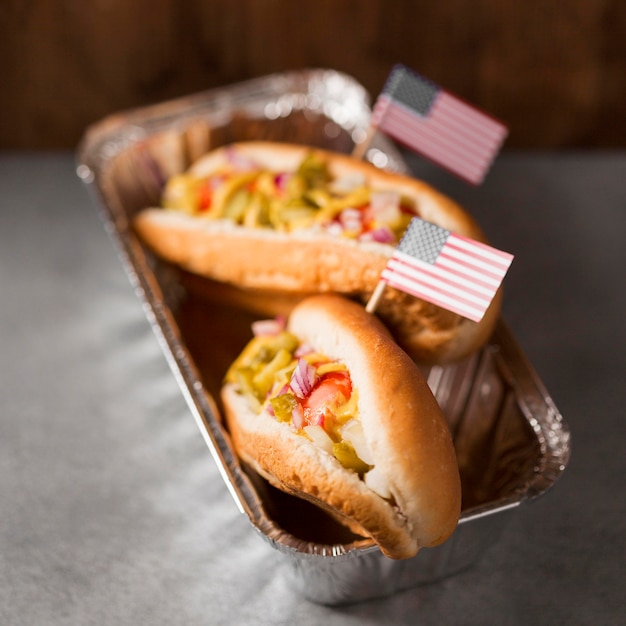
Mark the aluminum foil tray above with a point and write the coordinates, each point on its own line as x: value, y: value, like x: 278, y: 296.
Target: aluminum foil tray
x: 512, y: 444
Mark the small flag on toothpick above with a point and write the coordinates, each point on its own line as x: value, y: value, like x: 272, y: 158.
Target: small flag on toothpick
x: 454, y: 272
x: 438, y: 125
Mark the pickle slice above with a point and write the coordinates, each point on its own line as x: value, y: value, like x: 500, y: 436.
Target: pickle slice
x: 283, y: 406
x: 346, y: 455
x: 264, y: 379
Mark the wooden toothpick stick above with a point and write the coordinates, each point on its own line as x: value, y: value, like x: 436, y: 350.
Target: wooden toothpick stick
x: 372, y: 303
x: 359, y: 150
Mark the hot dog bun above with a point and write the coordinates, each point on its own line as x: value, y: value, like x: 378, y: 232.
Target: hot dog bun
x: 261, y: 267
x: 406, y: 432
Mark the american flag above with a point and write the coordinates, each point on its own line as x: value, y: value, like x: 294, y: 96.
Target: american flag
x: 449, y: 270
x: 438, y: 125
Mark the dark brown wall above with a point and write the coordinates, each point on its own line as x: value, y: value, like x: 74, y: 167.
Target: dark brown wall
x: 553, y: 70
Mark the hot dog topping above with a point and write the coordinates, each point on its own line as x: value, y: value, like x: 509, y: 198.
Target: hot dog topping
x: 309, y: 391
x: 309, y: 198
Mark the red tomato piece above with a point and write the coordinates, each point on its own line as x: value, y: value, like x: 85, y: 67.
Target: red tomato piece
x: 205, y: 196
x: 331, y: 391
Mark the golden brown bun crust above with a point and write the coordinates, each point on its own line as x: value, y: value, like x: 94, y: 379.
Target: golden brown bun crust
x: 403, y: 425
x: 259, y: 262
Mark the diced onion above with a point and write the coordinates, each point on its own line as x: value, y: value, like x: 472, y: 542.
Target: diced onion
x: 272, y: 327
x: 351, y: 219
x: 382, y: 234
x: 239, y: 161
x: 297, y: 417
x: 352, y: 432
x: 303, y: 378
x: 348, y: 182
x: 303, y: 349
x: 281, y: 179
x: 319, y: 437
x: 377, y: 482
x: 335, y: 229
x: 385, y: 205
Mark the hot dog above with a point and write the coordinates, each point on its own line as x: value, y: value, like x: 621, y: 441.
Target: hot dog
x: 330, y: 409
x: 271, y: 223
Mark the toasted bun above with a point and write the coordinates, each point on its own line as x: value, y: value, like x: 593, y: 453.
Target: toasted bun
x: 402, y: 423
x: 261, y: 264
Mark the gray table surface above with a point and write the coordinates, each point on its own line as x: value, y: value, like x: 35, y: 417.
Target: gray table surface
x: 113, y: 510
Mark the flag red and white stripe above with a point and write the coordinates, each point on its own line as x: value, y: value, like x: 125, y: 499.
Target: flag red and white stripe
x: 438, y: 125
x: 454, y: 272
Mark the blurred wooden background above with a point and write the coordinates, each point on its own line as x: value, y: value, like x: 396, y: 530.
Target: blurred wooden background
x: 553, y: 70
